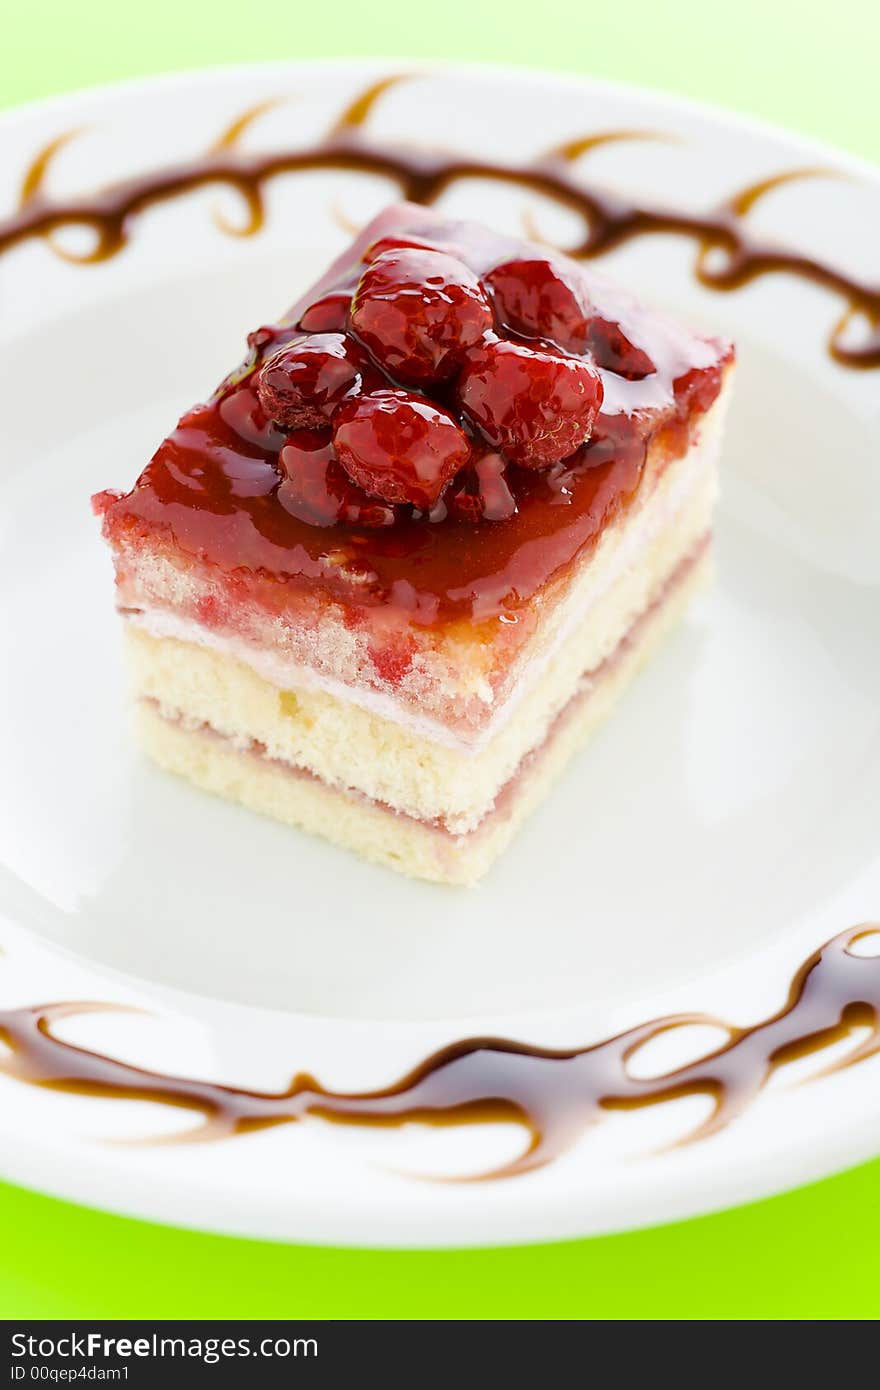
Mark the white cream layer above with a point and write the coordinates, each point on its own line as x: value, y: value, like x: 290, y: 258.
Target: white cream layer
x: 619, y: 551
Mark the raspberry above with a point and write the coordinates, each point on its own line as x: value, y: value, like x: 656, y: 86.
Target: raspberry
x: 614, y: 351
x: 315, y: 489
x: 399, y: 446
x: 301, y: 385
x: 536, y: 299
x: 416, y: 311
x: 532, y: 403
x: 327, y: 315
x: 482, y: 494
x: 269, y: 336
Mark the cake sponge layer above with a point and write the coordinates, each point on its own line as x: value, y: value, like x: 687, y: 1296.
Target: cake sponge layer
x: 350, y: 747
x: 460, y: 676
x: 378, y: 833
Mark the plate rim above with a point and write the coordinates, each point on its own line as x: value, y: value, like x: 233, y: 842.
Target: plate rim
x: 21, y: 115
x: 415, y: 67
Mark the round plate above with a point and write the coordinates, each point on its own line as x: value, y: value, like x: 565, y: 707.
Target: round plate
x: 716, y: 832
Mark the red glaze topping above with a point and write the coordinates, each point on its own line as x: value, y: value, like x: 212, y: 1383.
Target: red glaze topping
x: 327, y: 315
x: 481, y: 492
x: 458, y: 501
x: 315, y: 489
x: 417, y: 312
x: 399, y: 446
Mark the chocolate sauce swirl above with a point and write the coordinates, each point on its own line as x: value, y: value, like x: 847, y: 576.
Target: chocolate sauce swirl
x: 553, y: 1094
x: 728, y: 254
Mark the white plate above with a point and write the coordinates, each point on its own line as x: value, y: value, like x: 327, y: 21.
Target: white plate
x: 720, y: 828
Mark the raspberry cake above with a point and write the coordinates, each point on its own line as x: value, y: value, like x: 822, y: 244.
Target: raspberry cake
x: 389, y: 578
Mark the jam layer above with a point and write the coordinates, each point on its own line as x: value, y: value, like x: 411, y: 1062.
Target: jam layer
x: 211, y: 492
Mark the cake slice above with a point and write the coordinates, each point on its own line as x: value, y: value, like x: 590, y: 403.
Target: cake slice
x: 388, y: 579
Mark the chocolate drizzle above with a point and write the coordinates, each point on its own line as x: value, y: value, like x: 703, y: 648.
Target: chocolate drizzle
x: 728, y: 255
x: 555, y: 1095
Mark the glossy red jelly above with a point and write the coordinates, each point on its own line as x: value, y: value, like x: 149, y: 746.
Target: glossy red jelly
x: 315, y: 488
x: 232, y: 489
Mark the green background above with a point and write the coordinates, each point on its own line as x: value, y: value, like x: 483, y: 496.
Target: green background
x: 808, y: 1254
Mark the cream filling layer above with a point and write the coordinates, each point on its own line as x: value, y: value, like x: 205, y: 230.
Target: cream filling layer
x: 347, y: 746
x: 377, y: 832
x: 618, y: 553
